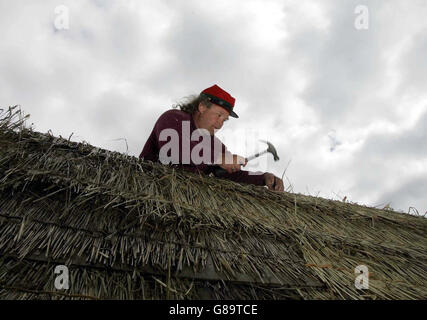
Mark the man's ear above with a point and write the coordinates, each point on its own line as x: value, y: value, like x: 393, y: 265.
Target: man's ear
x: 202, y: 108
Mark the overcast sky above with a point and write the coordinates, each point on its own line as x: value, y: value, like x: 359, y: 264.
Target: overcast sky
x: 339, y: 89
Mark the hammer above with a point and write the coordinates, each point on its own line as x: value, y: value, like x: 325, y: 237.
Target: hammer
x: 271, y: 149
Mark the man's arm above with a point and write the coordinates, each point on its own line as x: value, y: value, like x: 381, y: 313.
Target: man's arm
x: 245, y: 177
x: 173, y: 121
x: 266, y: 179
x: 232, y: 164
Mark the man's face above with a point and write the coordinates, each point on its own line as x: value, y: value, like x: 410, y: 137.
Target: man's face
x: 212, y: 118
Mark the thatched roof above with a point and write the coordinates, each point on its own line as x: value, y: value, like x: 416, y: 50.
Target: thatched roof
x: 129, y: 229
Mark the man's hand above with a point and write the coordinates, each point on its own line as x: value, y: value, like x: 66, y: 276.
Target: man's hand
x: 273, y: 182
x: 233, y: 164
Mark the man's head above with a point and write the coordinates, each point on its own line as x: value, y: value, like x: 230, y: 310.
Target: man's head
x: 210, y: 117
x: 210, y: 109
x: 214, y: 108
x: 220, y: 97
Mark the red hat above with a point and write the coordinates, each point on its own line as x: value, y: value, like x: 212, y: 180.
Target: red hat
x: 222, y: 98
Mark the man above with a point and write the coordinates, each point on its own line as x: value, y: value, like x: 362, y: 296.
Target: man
x: 200, y: 118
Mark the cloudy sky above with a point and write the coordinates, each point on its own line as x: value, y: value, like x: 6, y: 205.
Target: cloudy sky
x: 339, y: 89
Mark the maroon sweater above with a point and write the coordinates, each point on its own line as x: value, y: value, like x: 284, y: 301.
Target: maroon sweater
x: 173, y: 119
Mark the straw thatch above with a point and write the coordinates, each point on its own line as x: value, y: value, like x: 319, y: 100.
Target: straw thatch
x: 129, y: 229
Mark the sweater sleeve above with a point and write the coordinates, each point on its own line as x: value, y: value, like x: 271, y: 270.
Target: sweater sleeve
x: 247, y: 177
x: 256, y: 178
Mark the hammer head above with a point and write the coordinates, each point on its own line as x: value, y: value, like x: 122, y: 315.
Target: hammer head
x: 271, y: 149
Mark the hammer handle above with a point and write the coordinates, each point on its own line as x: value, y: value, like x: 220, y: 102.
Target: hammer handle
x: 220, y: 172
x: 256, y: 155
